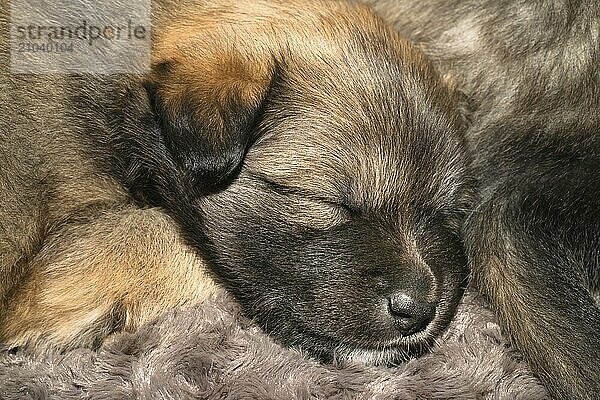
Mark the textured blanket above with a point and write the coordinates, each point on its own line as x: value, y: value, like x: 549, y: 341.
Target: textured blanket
x: 212, y: 352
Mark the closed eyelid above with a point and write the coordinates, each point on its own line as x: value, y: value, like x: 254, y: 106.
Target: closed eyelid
x: 285, y: 190
x: 294, y: 190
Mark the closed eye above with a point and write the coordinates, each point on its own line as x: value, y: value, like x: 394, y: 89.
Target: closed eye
x: 304, y: 196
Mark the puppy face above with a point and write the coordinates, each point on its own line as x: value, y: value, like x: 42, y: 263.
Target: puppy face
x: 319, y: 168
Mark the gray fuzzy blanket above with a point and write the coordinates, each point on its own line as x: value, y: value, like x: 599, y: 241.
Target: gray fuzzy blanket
x: 213, y: 352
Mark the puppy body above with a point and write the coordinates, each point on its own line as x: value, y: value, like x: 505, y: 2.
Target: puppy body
x: 78, y: 258
x: 530, y: 70
x: 284, y: 141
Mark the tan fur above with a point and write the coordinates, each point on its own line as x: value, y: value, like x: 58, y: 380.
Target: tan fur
x: 129, y: 258
x: 225, y: 51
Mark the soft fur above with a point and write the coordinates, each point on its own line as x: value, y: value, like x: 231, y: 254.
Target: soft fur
x: 212, y: 352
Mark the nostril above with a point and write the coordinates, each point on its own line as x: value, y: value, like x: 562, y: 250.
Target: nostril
x: 409, y: 314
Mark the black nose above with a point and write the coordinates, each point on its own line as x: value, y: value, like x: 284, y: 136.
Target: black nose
x: 410, y: 314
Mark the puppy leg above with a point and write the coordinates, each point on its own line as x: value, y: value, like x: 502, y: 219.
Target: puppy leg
x: 534, y: 253
x: 95, y: 277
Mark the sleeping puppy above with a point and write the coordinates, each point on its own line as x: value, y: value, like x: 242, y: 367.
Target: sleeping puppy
x: 531, y: 72
x: 301, y: 154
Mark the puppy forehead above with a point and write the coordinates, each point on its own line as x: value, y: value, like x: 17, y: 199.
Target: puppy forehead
x: 376, y: 169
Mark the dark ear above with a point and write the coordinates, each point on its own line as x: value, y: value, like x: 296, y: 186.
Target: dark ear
x: 206, y: 106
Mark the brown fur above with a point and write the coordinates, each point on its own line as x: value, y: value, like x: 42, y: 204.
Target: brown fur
x: 264, y: 128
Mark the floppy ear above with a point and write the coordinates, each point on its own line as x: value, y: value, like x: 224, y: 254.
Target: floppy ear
x: 206, y: 104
